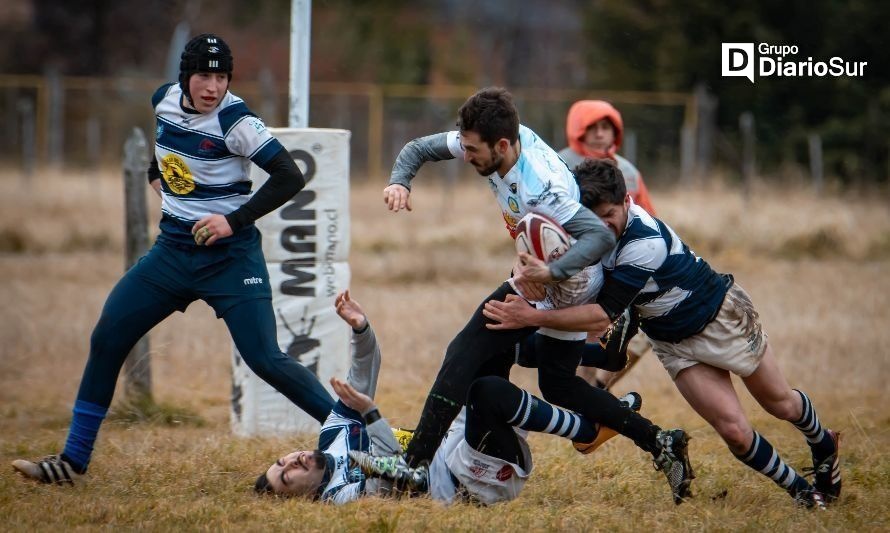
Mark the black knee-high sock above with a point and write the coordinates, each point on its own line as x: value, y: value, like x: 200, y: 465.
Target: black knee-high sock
x: 818, y: 439
x: 762, y: 457
x: 534, y: 414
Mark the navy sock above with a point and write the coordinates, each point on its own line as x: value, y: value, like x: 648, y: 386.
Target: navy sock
x: 818, y: 439
x: 534, y: 414
x: 764, y: 458
x: 82, y: 434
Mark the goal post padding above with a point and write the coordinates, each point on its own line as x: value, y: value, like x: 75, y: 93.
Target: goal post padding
x: 306, y: 245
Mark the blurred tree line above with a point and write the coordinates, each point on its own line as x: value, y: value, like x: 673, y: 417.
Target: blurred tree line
x: 656, y: 45
x: 662, y: 45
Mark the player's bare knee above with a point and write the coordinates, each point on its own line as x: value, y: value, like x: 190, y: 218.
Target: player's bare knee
x: 785, y: 408
x: 736, y: 433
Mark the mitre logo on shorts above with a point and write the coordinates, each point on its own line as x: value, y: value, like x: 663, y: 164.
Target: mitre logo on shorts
x: 738, y: 60
x: 253, y: 281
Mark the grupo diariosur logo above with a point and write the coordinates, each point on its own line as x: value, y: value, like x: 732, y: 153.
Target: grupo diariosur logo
x: 780, y: 61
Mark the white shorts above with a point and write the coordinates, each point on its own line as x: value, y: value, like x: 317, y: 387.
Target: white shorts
x: 486, y: 479
x: 638, y: 344
x: 734, y: 340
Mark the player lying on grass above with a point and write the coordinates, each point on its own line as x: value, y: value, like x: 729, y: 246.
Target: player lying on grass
x: 702, y: 326
x: 483, y: 457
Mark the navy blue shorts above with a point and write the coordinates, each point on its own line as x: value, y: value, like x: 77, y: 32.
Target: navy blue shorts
x: 222, y: 276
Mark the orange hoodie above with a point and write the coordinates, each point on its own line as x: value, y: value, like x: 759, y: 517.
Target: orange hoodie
x: 585, y: 113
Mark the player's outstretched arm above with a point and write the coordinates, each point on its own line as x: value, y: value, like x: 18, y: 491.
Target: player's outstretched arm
x: 413, y: 155
x: 365, y: 355
x: 350, y: 311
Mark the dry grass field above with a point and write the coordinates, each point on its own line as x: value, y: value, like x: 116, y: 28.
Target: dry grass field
x: 817, y: 268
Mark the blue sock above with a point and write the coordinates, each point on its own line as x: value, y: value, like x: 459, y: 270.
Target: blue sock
x: 763, y: 458
x: 82, y: 434
x: 818, y: 439
x: 534, y: 414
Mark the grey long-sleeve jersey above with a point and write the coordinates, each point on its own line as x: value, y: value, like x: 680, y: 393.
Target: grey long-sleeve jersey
x: 539, y: 181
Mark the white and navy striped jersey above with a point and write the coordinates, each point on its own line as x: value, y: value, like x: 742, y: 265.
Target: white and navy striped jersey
x: 204, y: 159
x: 539, y: 181
x: 342, y: 432
x: 678, y: 293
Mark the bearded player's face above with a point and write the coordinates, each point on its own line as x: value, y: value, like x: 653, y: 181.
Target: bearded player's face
x: 484, y: 158
x: 297, y: 473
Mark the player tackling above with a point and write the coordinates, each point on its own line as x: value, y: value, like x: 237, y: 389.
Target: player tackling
x: 484, y: 456
x: 702, y: 326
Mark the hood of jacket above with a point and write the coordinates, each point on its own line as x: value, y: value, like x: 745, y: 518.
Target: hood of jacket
x: 585, y: 113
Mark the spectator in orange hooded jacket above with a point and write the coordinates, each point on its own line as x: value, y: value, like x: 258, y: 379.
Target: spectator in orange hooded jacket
x: 595, y: 130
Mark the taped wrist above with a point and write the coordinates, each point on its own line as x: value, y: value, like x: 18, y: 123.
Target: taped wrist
x: 372, y: 416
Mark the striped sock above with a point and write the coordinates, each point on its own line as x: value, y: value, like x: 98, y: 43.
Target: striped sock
x: 534, y: 414
x: 809, y: 425
x: 82, y: 434
x: 763, y: 458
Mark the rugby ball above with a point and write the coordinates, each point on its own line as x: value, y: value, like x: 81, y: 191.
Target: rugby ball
x: 541, y: 237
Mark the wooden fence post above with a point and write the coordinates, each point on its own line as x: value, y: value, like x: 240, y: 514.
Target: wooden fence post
x: 138, y: 365
x: 29, y: 136
x: 630, y: 146
x: 706, y: 123
x: 746, y: 125
x: 55, y: 118
x: 814, y: 142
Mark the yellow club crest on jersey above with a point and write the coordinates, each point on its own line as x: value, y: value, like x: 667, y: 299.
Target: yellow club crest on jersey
x: 514, y: 205
x: 177, y: 174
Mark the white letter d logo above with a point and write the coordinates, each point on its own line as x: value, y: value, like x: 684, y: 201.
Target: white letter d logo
x: 738, y: 60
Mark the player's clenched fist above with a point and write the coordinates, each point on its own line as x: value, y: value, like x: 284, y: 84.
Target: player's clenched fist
x: 397, y: 197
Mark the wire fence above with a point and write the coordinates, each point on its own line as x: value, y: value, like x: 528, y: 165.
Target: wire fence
x: 83, y: 122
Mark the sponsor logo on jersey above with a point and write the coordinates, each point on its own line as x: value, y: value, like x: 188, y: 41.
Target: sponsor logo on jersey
x: 177, y: 174
x: 258, y: 125
x: 253, y: 281
x: 511, y: 222
x: 546, y: 195
x: 514, y: 205
x: 514, y: 187
x: 206, y: 146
